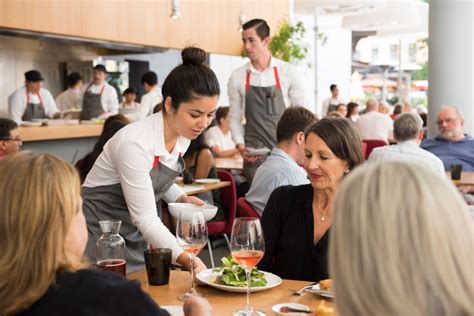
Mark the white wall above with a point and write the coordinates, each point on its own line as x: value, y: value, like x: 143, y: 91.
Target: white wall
x: 223, y: 66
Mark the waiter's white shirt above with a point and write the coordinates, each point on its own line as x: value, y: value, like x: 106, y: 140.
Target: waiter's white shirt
x: 69, y: 99
x: 328, y: 102
x: 147, y: 103
x: 109, y: 98
x: 215, y: 137
x: 17, y: 103
x: 128, y: 159
x: 134, y: 105
x: 292, y: 87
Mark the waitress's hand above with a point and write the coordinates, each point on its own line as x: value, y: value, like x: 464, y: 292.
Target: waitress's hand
x: 190, y: 199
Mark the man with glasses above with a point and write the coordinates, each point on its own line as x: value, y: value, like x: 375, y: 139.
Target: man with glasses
x: 452, y: 145
x: 10, y: 141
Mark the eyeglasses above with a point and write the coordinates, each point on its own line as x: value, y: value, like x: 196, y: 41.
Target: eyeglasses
x: 16, y: 139
x: 449, y: 120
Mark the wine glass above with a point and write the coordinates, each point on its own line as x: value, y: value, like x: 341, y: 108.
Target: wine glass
x: 247, y: 247
x: 191, y: 233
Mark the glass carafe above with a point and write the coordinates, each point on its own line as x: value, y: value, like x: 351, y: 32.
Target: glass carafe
x: 110, y: 248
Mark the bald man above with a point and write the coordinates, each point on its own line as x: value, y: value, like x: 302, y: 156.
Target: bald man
x: 374, y: 125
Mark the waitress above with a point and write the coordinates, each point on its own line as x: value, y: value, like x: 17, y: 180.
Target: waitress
x: 138, y: 166
x: 99, y: 99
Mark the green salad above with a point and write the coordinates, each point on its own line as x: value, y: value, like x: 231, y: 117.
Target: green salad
x: 234, y: 275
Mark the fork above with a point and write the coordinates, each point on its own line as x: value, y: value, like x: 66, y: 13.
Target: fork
x: 301, y: 291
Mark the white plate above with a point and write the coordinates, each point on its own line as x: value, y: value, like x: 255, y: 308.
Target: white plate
x: 30, y: 124
x: 187, y: 209
x: 207, y: 181
x: 276, y: 308
x: 257, y: 151
x: 317, y: 290
x: 208, y: 276
x: 173, y: 310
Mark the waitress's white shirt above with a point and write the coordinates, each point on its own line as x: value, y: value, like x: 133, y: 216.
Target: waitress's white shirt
x: 17, y: 103
x: 108, y: 99
x: 128, y: 159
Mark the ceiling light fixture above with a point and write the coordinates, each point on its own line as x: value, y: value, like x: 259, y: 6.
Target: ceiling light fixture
x: 175, y: 14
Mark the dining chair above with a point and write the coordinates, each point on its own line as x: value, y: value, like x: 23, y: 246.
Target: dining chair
x: 229, y: 204
x: 371, y: 144
x: 245, y: 209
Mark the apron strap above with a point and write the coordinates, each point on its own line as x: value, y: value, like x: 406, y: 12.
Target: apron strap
x: 156, y: 161
x: 247, y: 81
x: 39, y: 97
x: 277, y: 78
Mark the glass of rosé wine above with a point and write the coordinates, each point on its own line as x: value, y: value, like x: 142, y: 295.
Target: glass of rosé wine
x: 247, y: 247
x: 191, y: 233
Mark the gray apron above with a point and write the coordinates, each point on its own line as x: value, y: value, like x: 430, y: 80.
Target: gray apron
x: 108, y: 202
x: 33, y: 110
x: 263, y: 108
x: 91, y: 104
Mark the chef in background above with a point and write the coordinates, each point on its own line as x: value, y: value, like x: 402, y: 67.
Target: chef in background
x: 99, y: 99
x: 32, y: 101
x: 71, y: 97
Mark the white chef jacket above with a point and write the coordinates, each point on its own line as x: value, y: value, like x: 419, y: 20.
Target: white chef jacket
x: 109, y: 98
x: 292, y: 87
x: 147, y: 103
x: 17, y: 103
x: 128, y: 159
x: 69, y: 99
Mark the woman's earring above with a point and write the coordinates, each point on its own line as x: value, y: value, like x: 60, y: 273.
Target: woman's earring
x: 346, y: 171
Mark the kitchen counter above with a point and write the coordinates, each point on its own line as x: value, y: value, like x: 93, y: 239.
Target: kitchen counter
x: 42, y: 133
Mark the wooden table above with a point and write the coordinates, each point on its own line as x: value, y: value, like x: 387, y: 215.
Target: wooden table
x: 196, y: 188
x: 229, y: 163
x: 467, y: 178
x: 42, y: 133
x: 225, y: 303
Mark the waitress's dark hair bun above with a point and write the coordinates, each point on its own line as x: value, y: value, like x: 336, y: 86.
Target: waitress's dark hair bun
x: 193, y: 56
x: 191, y: 80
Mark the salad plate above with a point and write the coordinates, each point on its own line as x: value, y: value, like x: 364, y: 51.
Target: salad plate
x: 209, y: 277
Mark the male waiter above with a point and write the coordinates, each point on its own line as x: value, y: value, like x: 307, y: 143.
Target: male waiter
x: 99, y: 99
x: 260, y: 91
x: 32, y: 101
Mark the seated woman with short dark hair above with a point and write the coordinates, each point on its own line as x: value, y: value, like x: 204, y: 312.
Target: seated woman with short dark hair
x: 297, y: 219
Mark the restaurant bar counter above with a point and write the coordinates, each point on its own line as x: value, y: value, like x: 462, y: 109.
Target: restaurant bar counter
x: 70, y: 142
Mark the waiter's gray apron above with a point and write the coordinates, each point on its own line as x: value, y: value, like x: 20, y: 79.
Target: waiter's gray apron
x: 263, y: 108
x: 107, y: 202
x: 33, y: 110
x: 92, y: 104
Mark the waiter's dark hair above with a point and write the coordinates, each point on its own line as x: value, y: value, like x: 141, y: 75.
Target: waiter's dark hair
x: 332, y: 87
x: 191, y: 80
x: 6, y: 126
x: 150, y: 78
x: 261, y: 27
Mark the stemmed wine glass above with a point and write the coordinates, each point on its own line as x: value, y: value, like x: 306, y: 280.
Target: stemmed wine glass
x: 247, y: 247
x: 191, y: 233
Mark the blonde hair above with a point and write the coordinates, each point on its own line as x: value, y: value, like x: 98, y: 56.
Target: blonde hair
x: 401, y: 244
x: 39, y: 196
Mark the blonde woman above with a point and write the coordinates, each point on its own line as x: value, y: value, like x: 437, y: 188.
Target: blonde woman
x: 43, y: 236
x: 401, y: 244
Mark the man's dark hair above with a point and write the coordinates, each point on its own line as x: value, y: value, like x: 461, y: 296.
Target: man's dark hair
x: 295, y: 119
x: 6, y: 126
x: 101, y: 68
x: 261, y: 27
x: 221, y: 113
x: 332, y: 87
x: 150, y: 78
x: 129, y: 90
x: 73, y: 79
